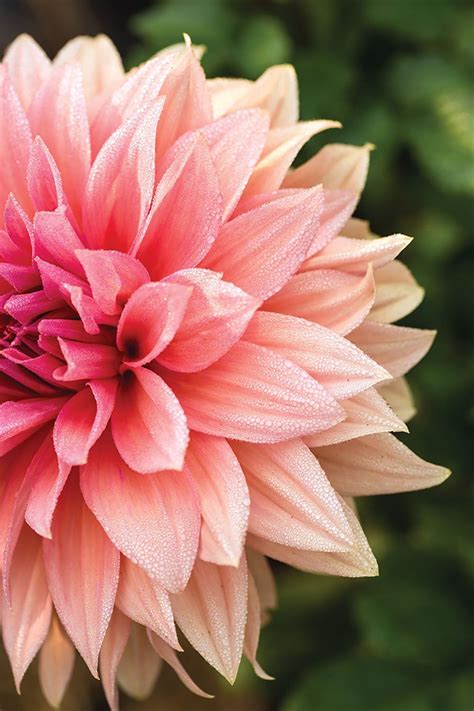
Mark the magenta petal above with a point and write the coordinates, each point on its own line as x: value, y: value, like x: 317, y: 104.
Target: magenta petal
x: 154, y: 520
x: 148, y: 424
x: 150, y: 320
x: 82, y: 568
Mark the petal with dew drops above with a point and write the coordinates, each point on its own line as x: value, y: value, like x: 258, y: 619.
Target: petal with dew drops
x: 48, y: 476
x: 367, y: 413
x: 353, y: 255
x: 99, y: 60
x: 186, y: 212
x: 85, y: 361
x: 275, y: 91
x: 113, y: 277
x: 357, y: 562
x: 148, y: 423
x: 252, y: 628
x: 169, y: 656
x: 216, y: 316
x: 225, y: 92
x: 25, y: 416
x: 82, y: 569
x: 396, y: 348
x: 264, y: 581
x: 397, y: 293
x: 377, y: 464
x: 337, y: 209
x: 145, y: 601
x: 113, y: 647
x: 211, y: 612
x: 188, y: 102
x: 154, y: 520
x: 224, y: 497
x: 55, y: 241
x: 56, y: 663
x: 282, y: 146
x: 150, y: 320
x: 83, y: 419
x: 58, y: 114
x: 120, y: 185
x: 291, y: 500
x: 340, y: 367
x: 336, y: 300
x: 398, y: 395
x: 28, y: 67
x: 337, y: 166
x: 236, y: 143
x: 25, y: 622
x: 254, y: 394
x: 139, y: 666
x: 44, y: 179
x: 259, y: 250
x: 15, y: 145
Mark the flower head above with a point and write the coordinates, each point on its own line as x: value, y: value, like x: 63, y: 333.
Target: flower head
x: 198, y: 366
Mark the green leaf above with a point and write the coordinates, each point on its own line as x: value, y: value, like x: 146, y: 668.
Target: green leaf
x: 417, y: 80
x: 263, y: 42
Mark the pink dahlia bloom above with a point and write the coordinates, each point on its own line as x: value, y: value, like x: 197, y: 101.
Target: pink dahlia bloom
x: 198, y: 362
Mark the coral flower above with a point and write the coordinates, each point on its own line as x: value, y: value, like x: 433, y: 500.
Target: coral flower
x: 198, y: 366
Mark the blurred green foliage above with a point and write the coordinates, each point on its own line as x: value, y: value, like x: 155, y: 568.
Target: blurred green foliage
x: 398, y: 73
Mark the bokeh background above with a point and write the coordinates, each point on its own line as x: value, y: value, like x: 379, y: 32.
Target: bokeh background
x: 399, y: 74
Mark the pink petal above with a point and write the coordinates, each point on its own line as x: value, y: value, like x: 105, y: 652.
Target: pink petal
x: 354, y: 255
x: 367, y: 413
x: 100, y: 63
x: 112, y: 276
x: 225, y: 92
x: 55, y: 241
x: 291, y: 500
x: 120, y: 183
x: 145, y: 601
x: 259, y: 250
x: 185, y: 216
x: 211, y: 613
x: 336, y: 300
x: 82, y: 572
x: 188, y: 102
x: 216, y: 316
x: 357, y: 562
x: 86, y: 361
x: 148, y: 423
x: 56, y: 663
x: 283, y: 145
x: 28, y: 67
x: 58, y: 114
x: 19, y: 229
x: 396, y: 293
x: 236, y: 143
x: 170, y: 657
x: 44, y: 179
x: 25, y: 623
x: 27, y: 415
x: 396, y: 348
x: 15, y: 145
x: 337, y: 209
x: 224, y: 497
x: 264, y: 581
x: 332, y: 360
x: 153, y: 520
x: 83, y: 419
x: 337, y: 166
x: 112, y: 650
x: 48, y: 476
x: 377, y: 464
x: 139, y: 666
x: 256, y: 395
x: 150, y: 320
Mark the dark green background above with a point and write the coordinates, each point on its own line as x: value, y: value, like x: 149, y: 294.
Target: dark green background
x: 397, y: 73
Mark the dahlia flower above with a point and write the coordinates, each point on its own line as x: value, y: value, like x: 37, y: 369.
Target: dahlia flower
x: 199, y: 367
